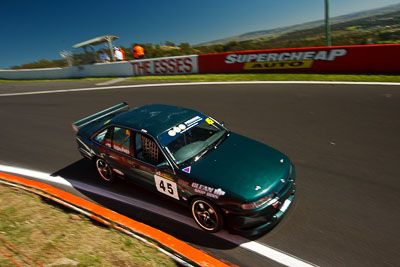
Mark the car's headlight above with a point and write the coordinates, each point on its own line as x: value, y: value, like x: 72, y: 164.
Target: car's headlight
x: 259, y: 203
x: 291, y: 170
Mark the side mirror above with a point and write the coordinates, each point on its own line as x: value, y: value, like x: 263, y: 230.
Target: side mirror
x: 223, y: 124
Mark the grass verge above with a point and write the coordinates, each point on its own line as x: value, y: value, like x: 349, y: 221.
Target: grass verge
x: 248, y: 77
x: 271, y: 77
x: 32, y: 230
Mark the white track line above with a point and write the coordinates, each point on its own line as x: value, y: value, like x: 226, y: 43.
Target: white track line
x: 261, y: 249
x: 112, y: 81
x: 192, y: 83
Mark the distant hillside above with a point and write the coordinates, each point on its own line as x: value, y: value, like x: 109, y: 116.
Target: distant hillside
x: 274, y: 33
x: 379, y: 26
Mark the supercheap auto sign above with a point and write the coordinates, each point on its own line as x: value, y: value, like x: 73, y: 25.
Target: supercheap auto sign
x: 283, y: 60
x: 352, y: 59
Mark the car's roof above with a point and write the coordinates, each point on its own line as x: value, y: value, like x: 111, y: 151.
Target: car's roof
x: 155, y: 118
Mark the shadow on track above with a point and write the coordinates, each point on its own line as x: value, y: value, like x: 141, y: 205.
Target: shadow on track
x: 137, y: 203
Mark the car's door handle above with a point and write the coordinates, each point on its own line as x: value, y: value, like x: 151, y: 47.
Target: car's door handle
x: 134, y: 166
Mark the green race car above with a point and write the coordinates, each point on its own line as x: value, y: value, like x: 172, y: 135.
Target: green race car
x: 226, y: 179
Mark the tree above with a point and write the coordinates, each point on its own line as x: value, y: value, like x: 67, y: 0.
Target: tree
x: 168, y: 43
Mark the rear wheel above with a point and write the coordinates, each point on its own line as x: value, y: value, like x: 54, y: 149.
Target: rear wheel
x: 207, y: 215
x: 105, y: 170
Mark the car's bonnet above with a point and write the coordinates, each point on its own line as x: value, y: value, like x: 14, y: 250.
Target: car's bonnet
x: 245, y: 168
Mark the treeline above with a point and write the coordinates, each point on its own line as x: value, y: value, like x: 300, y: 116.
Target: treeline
x: 167, y: 49
x: 151, y: 51
x: 43, y: 63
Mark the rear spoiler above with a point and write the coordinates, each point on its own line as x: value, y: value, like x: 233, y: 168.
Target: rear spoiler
x: 78, y: 124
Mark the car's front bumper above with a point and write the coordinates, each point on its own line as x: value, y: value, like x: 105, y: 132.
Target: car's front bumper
x: 261, y: 221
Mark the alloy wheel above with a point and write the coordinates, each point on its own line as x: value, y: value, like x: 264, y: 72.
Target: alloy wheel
x: 206, y: 215
x: 104, y: 170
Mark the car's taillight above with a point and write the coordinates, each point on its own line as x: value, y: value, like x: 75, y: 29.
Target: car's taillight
x: 74, y: 128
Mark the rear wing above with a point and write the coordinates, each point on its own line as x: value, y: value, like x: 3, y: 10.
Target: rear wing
x: 79, y: 124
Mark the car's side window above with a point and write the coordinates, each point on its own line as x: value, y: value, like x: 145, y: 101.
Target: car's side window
x: 147, y: 150
x: 138, y: 144
x: 104, y: 137
x: 121, y: 140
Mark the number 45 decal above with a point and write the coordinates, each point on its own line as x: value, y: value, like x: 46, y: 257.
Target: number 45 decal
x: 166, y: 186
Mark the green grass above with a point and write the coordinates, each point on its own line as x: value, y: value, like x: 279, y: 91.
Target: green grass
x: 58, y: 80
x: 271, y: 77
x: 49, y: 233
x: 246, y: 77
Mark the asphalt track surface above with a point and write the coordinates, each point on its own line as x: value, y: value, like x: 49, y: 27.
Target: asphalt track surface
x: 343, y: 139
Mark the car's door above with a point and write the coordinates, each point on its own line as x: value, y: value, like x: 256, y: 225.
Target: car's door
x: 151, y: 167
x: 118, y: 150
x: 103, y: 142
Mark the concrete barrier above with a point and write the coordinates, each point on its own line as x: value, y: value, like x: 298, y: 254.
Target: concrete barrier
x: 32, y: 74
x: 154, y: 66
x: 115, y: 69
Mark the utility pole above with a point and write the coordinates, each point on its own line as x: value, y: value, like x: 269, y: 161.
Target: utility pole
x: 327, y: 24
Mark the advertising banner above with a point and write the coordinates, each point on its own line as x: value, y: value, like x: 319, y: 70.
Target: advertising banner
x: 339, y: 59
x: 165, y: 66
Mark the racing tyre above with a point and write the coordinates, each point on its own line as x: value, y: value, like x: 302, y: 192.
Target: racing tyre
x: 207, y: 215
x: 105, y: 170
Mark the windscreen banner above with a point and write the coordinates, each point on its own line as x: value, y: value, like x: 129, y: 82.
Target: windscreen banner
x: 165, y: 66
x: 339, y: 59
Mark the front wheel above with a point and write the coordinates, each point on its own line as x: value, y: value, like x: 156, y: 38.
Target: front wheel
x: 207, y: 215
x: 105, y: 170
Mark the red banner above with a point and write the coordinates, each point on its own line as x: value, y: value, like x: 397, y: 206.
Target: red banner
x: 337, y: 59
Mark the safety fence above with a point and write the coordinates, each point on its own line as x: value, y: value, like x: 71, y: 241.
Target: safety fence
x: 370, y: 59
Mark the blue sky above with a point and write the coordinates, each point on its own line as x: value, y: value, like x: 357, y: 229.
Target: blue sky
x: 33, y: 30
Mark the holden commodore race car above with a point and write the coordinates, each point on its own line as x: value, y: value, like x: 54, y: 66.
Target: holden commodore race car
x: 226, y: 179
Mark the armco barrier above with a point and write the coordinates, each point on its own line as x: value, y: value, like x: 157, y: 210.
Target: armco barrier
x: 339, y: 59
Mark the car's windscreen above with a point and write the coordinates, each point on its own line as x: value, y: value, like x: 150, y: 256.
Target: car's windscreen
x: 192, y: 138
